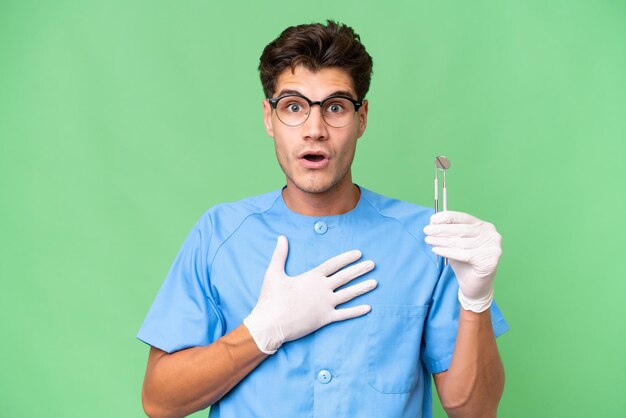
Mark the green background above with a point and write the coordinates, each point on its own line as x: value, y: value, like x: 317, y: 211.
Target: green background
x: 121, y: 122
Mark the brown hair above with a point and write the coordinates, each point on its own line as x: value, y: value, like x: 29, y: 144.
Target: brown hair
x: 317, y: 46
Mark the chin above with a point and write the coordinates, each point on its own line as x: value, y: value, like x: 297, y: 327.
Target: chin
x: 316, y: 182
x: 313, y: 186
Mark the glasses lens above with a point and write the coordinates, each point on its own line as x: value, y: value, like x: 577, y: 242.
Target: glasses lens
x: 338, y: 111
x: 292, y: 110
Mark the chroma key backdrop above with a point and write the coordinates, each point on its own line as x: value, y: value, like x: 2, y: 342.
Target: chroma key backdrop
x: 121, y: 122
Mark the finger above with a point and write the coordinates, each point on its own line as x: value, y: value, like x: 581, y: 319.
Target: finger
x: 452, y: 230
x: 349, y: 293
x: 279, y: 258
x: 348, y: 313
x: 452, y: 217
x: 457, y: 254
x: 465, y: 243
x: 336, y: 263
x: 344, y: 276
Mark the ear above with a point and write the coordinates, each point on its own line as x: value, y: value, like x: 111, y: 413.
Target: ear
x: 362, y: 115
x: 267, y: 118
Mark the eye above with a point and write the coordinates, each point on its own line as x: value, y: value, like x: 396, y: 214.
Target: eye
x: 292, y: 104
x: 336, y: 106
x: 293, y: 107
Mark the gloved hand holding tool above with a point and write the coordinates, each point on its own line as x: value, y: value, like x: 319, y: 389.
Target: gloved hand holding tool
x: 292, y: 307
x: 473, y: 248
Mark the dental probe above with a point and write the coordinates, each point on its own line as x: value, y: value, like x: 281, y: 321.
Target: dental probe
x: 441, y: 163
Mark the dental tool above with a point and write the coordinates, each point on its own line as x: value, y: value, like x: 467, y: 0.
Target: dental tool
x: 441, y: 164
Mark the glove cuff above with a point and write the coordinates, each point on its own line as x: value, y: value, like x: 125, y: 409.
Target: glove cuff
x: 262, y: 333
x: 476, y: 305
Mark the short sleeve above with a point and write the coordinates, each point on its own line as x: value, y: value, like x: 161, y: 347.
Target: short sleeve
x: 443, y: 320
x: 184, y: 313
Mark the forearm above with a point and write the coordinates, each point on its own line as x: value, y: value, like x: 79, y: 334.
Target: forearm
x: 473, y: 385
x: 180, y: 383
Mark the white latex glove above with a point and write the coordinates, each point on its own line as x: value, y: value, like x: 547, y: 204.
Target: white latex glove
x: 292, y: 307
x: 473, y: 248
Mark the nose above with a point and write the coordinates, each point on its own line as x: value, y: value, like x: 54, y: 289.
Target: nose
x: 315, y: 127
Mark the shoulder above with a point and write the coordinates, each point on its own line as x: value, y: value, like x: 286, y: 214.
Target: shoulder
x: 397, y: 209
x: 223, y: 219
x: 411, y: 216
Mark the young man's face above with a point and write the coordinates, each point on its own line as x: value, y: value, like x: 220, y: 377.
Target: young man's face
x: 315, y: 157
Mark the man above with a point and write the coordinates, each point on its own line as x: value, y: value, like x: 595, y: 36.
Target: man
x: 269, y: 310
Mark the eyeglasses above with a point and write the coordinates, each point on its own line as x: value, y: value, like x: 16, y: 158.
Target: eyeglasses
x: 294, y: 109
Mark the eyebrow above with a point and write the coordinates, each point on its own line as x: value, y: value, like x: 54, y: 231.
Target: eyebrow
x: 334, y: 93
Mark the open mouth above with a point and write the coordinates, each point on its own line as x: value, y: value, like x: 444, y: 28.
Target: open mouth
x: 314, y: 158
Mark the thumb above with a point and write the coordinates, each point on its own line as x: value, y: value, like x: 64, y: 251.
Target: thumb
x: 279, y: 258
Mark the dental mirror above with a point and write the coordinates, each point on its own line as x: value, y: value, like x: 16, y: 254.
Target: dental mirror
x: 441, y: 164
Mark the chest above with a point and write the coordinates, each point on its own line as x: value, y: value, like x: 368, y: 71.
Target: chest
x: 406, y: 275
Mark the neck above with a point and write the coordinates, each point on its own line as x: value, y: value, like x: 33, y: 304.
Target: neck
x: 340, y: 199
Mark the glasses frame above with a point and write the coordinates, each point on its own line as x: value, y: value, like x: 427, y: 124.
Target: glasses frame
x: 274, y: 102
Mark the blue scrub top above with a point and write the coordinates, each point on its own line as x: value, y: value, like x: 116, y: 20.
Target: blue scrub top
x: 376, y: 365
